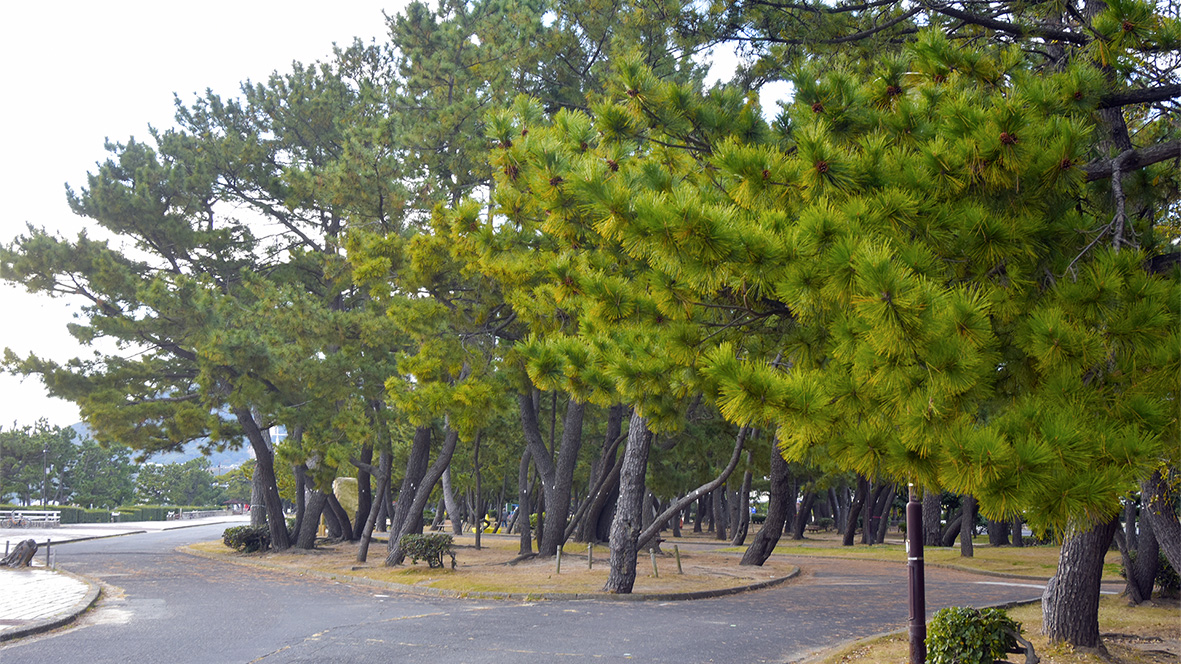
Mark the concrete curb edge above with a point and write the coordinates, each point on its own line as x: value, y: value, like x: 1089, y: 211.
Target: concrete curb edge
x: 41, y: 626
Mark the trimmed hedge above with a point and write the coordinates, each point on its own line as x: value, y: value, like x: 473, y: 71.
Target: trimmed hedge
x: 247, y: 539
x: 429, y: 547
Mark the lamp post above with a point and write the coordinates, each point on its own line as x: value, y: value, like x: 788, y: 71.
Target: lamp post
x: 916, y: 590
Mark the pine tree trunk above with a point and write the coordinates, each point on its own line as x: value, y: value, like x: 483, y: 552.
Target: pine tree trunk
x: 383, y: 488
x: 998, y: 532
x: 801, y: 520
x: 341, y: 516
x: 1018, y: 538
x: 699, y: 518
x: 523, y: 509
x: 1140, y: 561
x: 364, y: 491
x: 932, y: 513
x: 310, y: 524
x: 1070, y: 603
x: 265, y: 469
x: 855, y: 510
x: 478, y: 507
x: 422, y: 493
x: 416, y: 464
x: 968, y: 526
x: 451, y: 504
x: 781, y: 494
x: 625, y: 528
x: 718, y: 499
x: 1162, y: 512
x: 883, y: 526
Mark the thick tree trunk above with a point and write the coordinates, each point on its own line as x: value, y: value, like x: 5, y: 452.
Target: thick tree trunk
x: 743, y: 523
x: 1161, y: 510
x: 310, y: 524
x: 342, y: 517
x: 967, y: 526
x: 301, y: 486
x: 625, y: 528
x: 422, y: 494
x: 872, y: 512
x: 20, y: 556
x: 855, y: 510
x: 952, y: 530
x: 364, y: 492
x: 603, y: 482
x: 416, y: 465
x: 265, y: 469
x: 1140, y: 562
x: 781, y: 495
x: 718, y: 498
x: 932, y: 513
x: 998, y: 532
x: 1070, y: 603
x: 557, y: 472
x: 702, y: 508
x: 1018, y: 538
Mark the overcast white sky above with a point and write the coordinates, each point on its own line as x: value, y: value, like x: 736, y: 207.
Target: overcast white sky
x: 76, y: 72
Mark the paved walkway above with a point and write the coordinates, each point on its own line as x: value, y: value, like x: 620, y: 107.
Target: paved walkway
x: 39, y: 598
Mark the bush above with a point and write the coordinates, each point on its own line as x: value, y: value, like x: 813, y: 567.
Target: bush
x: 247, y: 539
x: 826, y: 523
x: 963, y: 635
x: 429, y: 547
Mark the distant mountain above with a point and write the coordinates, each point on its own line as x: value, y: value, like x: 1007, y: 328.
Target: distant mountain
x: 225, y: 460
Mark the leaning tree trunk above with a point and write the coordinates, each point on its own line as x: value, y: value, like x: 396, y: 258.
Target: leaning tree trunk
x: 451, y: 504
x: 523, y: 509
x: 383, y: 487
x: 873, y: 508
x: 625, y: 528
x: 416, y: 465
x: 884, y: 514
x: 1160, y: 507
x: 265, y: 468
x: 1140, y: 558
x: 557, y: 471
x: 1070, y: 603
x: 781, y: 495
x: 310, y: 524
x: 855, y: 510
x: 801, y: 519
x: 342, y: 517
x: 421, y: 495
x: 603, y: 482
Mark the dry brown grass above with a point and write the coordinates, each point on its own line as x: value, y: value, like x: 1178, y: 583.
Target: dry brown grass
x: 488, y: 569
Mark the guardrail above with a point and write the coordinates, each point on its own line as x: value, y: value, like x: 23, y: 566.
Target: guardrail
x: 195, y: 514
x: 29, y: 519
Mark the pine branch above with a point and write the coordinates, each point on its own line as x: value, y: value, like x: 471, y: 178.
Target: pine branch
x: 1143, y: 96
x: 1010, y: 28
x: 1131, y: 160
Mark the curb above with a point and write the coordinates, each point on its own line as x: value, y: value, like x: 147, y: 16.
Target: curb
x: 48, y: 624
x: 523, y: 597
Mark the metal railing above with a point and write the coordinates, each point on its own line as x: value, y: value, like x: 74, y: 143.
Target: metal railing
x: 29, y: 519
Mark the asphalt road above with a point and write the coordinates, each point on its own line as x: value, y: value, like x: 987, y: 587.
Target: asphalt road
x: 164, y: 606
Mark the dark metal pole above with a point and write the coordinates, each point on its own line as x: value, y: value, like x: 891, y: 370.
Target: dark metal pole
x: 916, y: 590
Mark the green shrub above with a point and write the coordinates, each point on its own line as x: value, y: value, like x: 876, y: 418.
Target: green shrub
x: 429, y: 547
x: 826, y: 523
x: 963, y: 635
x: 247, y: 539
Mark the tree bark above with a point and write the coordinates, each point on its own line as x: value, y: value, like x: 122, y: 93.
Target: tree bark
x: 1018, y: 538
x: 1070, y: 603
x: 416, y: 464
x: 781, y: 494
x: 310, y: 524
x: 20, y: 556
x: 1140, y: 560
x: 265, y: 468
x: 604, y: 480
x: 450, y: 503
x: 855, y: 510
x: 998, y: 532
x: 364, y: 491
x: 699, y: 517
x: 478, y: 506
x: 932, y: 513
x: 887, y: 502
x: 384, y: 463
x: 523, y: 509
x: 743, y: 522
x: 967, y: 526
x: 718, y: 498
x: 625, y: 528
x: 346, y: 526
x: 1161, y: 510
x: 422, y: 494
x: 873, y: 512
x: 801, y: 520
x: 557, y: 472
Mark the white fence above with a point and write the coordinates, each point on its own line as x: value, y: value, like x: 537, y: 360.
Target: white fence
x: 29, y: 519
